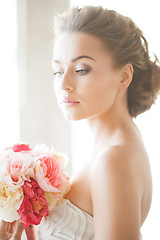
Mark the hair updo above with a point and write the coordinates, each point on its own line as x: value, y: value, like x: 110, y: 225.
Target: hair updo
x: 126, y: 44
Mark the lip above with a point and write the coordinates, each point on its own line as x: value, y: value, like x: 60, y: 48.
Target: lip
x: 69, y: 101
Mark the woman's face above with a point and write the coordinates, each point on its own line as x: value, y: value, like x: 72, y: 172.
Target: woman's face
x: 86, y: 83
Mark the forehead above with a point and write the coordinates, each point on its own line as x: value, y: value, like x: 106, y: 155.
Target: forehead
x: 69, y: 45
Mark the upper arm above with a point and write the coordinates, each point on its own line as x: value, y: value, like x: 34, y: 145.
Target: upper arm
x: 116, y: 196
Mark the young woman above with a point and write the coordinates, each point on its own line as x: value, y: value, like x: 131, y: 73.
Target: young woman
x: 103, y: 73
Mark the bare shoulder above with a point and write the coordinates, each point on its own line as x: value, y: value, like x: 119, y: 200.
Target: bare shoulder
x: 122, y: 161
x: 113, y: 166
x: 117, y: 189
x: 116, y: 160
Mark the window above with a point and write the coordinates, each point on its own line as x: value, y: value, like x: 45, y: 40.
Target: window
x: 9, y: 120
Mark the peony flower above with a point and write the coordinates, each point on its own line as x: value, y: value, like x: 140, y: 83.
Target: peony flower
x: 53, y: 199
x: 32, y: 182
x: 17, y: 164
x: 42, y: 150
x: 19, y: 167
x: 34, y: 205
x: 19, y: 147
x: 10, y: 200
x: 48, y: 173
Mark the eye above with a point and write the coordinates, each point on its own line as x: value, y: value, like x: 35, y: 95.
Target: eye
x: 58, y: 73
x: 82, y: 71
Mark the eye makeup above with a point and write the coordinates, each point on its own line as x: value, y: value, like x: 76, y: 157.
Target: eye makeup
x: 83, y: 69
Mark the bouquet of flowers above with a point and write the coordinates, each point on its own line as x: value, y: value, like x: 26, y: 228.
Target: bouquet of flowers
x: 32, y: 182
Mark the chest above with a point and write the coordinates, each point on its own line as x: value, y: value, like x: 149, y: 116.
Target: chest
x: 79, y: 193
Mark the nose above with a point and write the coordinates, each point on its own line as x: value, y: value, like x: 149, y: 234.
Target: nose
x: 67, y: 83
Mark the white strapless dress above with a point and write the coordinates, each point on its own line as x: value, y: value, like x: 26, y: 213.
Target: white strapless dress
x: 67, y: 222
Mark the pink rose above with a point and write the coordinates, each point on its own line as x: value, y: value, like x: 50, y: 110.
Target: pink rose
x: 34, y: 205
x: 49, y: 173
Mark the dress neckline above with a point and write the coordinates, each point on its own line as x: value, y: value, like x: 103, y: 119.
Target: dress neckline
x: 79, y: 209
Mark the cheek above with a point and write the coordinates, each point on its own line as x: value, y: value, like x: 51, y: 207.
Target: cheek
x: 99, y: 91
x: 55, y: 87
x: 56, y: 90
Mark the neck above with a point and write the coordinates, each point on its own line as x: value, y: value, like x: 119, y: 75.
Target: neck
x: 107, y: 127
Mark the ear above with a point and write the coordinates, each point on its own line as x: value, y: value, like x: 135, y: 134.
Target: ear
x: 126, y: 76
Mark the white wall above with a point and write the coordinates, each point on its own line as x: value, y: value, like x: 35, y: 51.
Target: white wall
x: 40, y: 118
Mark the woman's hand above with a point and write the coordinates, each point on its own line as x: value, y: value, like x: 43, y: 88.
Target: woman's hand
x: 12, y: 230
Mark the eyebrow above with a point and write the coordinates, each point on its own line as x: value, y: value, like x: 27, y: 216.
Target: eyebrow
x: 76, y: 58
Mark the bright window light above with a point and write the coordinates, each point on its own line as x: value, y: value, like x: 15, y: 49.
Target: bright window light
x: 9, y: 120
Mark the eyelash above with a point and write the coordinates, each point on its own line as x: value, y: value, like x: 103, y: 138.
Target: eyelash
x: 80, y: 71
x: 57, y: 73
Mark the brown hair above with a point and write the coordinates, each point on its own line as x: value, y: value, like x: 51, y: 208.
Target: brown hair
x: 126, y: 43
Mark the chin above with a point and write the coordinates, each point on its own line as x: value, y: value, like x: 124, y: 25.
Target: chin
x: 69, y: 118
x: 73, y: 117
